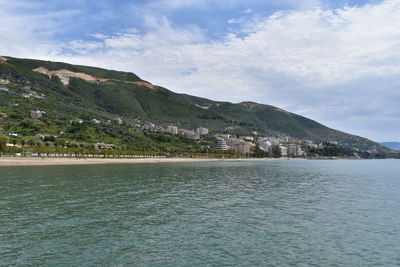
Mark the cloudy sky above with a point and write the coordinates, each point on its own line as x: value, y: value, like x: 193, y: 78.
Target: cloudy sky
x: 337, y: 62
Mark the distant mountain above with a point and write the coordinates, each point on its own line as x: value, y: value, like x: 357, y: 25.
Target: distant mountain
x: 391, y: 145
x: 67, y: 91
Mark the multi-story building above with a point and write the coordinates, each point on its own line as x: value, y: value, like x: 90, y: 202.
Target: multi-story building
x: 265, y: 145
x: 315, y: 146
x: 222, y: 145
x: 284, y: 139
x: 172, y: 129
x: 240, y: 146
x: 189, y: 134
x: 233, y: 141
x: 244, y: 147
x: 202, y: 131
x: 284, y: 151
x: 292, y: 150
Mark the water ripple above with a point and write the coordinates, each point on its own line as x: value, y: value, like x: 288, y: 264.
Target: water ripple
x: 274, y: 213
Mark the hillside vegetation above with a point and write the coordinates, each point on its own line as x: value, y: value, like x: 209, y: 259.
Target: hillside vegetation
x: 115, y: 94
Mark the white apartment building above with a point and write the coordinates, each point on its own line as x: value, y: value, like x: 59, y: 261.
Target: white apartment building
x: 172, y: 129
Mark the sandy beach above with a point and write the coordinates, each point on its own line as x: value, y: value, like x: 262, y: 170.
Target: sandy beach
x: 15, y: 161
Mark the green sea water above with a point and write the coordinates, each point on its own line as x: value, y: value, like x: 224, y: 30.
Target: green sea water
x: 264, y: 213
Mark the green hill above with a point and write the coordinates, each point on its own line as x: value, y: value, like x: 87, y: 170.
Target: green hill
x: 67, y: 92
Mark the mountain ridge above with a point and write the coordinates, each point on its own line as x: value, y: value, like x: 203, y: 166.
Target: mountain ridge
x: 391, y: 145
x: 108, y: 93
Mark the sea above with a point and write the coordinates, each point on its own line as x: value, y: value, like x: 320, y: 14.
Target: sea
x: 255, y: 213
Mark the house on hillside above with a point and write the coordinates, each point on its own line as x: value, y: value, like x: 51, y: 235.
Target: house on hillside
x: 4, y: 81
x: 103, y: 146
x: 118, y: 121
x: 37, y: 114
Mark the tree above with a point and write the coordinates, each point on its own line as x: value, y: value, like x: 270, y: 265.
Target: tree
x: 14, y: 141
x: 3, y: 142
x: 259, y: 153
x: 276, y: 151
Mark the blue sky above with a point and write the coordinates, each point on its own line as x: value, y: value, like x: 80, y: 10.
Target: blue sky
x: 333, y: 61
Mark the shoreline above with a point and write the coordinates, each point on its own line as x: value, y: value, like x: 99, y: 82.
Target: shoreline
x: 37, y: 161
x: 48, y: 161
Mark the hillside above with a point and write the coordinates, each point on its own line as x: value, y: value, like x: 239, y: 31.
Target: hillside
x: 67, y: 92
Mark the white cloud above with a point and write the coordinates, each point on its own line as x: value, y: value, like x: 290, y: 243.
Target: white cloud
x: 248, y: 11
x: 318, y: 48
x: 337, y: 66
x: 201, y: 4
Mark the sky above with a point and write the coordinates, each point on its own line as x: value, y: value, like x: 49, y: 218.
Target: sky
x: 337, y: 62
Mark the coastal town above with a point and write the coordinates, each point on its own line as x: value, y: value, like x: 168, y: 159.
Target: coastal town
x: 224, y: 145
x: 69, y: 112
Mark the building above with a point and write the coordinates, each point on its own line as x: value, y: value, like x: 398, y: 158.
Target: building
x: 239, y: 145
x: 284, y: 151
x: 244, y: 147
x: 202, y: 131
x: 222, y: 145
x: 3, y: 115
x: 96, y: 121
x: 37, y: 114
x: 80, y: 121
x: 3, y: 89
x: 41, y: 136
x: 250, y: 138
x: 314, y: 146
x: 189, y: 134
x: 293, y: 150
x: 307, y: 142
x: 233, y: 141
x: 103, y: 146
x: 284, y: 139
x: 149, y: 126
x: 265, y: 145
x: 118, y: 121
x: 172, y: 129
x: 273, y: 140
